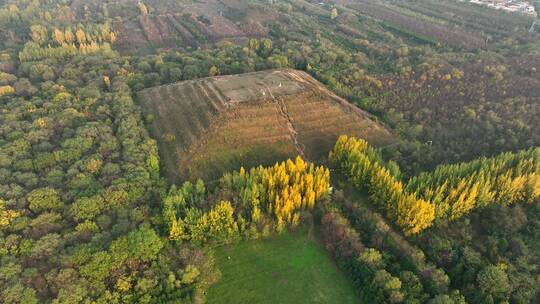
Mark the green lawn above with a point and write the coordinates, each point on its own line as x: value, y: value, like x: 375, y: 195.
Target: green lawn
x: 290, y: 268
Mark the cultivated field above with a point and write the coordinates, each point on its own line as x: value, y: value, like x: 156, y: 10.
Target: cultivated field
x: 451, y: 23
x: 217, y: 124
x: 291, y: 268
x: 174, y: 23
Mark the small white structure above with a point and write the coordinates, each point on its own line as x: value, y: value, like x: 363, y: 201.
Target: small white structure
x: 511, y: 6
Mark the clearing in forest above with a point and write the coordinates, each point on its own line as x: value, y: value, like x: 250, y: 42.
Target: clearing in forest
x: 288, y: 268
x: 212, y: 125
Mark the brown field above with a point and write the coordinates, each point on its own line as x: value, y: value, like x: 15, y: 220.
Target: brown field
x: 211, y: 125
x: 452, y: 37
x: 177, y: 24
x: 174, y: 24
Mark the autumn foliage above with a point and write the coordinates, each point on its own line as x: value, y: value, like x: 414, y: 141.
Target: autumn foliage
x: 367, y: 171
x: 506, y: 179
x: 250, y: 202
x: 447, y: 193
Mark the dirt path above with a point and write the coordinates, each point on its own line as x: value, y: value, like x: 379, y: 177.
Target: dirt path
x: 290, y: 125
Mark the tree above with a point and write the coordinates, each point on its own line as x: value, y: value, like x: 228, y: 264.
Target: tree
x: 19, y: 294
x: 68, y: 36
x: 367, y: 170
x: 144, y: 244
x: 6, y: 215
x: 253, y: 44
x: 266, y: 44
x: 107, y: 81
x: 58, y: 36
x: 143, y: 9
x: 333, y: 13
x: 390, y: 284
x: 86, y: 208
x: 112, y: 37
x: 218, y: 225
x: 44, y: 199
x: 39, y: 34
x: 414, y: 215
x: 23, y: 87
x: 81, y: 37
x: 371, y: 257
x: 99, y: 266
x: 46, y: 246
x: 493, y: 280
x: 6, y: 90
x: 93, y: 165
x: 190, y: 274
x: 73, y: 293
x: 441, y: 299
x: 265, y: 49
x: 213, y: 71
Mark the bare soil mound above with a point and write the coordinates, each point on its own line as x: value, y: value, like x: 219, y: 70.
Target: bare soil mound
x: 211, y: 125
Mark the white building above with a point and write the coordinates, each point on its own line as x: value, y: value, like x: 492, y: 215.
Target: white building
x: 511, y: 6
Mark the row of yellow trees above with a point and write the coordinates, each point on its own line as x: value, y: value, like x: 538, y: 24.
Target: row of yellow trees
x: 248, y: 200
x: 99, y: 33
x: 66, y: 43
x: 366, y: 170
x: 456, y: 189
x: 448, y: 192
x: 281, y: 191
x: 34, y: 52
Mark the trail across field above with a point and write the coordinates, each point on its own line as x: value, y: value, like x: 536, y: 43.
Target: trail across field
x: 290, y: 268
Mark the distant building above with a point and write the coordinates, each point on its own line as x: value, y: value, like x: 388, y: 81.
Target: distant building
x: 511, y: 6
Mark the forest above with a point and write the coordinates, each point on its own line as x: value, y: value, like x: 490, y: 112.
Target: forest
x: 449, y: 213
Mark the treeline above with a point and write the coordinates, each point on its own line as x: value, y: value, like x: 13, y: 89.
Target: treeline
x: 377, y: 276
x: 456, y: 189
x: 84, y: 34
x: 45, y: 40
x: 78, y: 173
x: 47, y: 23
x: 62, y: 44
x: 491, y: 256
x: 48, y: 41
x: 447, y: 193
x: 34, y: 52
x: 487, y: 110
x: 375, y: 233
x: 366, y: 170
x: 250, y: 203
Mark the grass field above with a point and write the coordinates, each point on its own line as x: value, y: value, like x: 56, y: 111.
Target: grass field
x: 290, y: 268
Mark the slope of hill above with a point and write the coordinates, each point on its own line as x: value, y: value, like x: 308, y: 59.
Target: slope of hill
x: 216, y: 124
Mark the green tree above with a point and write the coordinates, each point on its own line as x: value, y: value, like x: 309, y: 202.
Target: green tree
x: 371, y: 257
x: 44, y: 199
x: 253, y: 44
x: 46, y: 246
x: 190, y: 274
x: 99, y: 266
x: 493, y: 280
x: 39, y: 34
x: 144, y: 243
x: 213, y: 71
x: 86, y: 208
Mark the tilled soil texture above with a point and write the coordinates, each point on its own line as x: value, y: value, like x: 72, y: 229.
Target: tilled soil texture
x: 211, y: 125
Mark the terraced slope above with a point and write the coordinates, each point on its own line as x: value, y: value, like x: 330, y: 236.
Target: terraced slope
x: 211, y: 125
